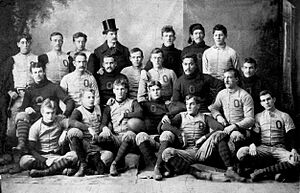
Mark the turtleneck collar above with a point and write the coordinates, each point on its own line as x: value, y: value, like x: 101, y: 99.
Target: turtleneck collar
x: 250, y: 79
x: 171, y: 47
x: 193, y: 75
x: 41, y: 84
x: 200, y: 45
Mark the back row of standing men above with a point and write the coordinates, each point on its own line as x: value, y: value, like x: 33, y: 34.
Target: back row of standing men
x: 199, y: 68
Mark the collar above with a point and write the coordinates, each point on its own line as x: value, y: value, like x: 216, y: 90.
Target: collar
x: 200, y: 45
x: 171, y: 47
x: 48, y: 124
x: 41, y: 84
x: 104, y: 47
x: 221, y: 47
x: 193, y: 75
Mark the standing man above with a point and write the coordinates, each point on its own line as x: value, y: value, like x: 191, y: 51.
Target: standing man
x: 219, y: 57
x: 79, y: 40
x: 111, y: 46
x: 56, y: 61
x: 80, y: 79
x: 18, y: 79
x: 172, y: 55
x: 237, y: 107
x: 197, y: 44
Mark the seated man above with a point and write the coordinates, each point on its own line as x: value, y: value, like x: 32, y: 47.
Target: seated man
x: 133, y: 72
x: 45, y: 139
x: 195, y: 129
x: 125, y: 115
x: 79, y: 79
x: 238, y: 110
x: 79, y: 40
x: 154, y: 110
x: 194, y: 82
x: 93, y: 160
x: 270, y: 154
x: 106, y: 79
x: 41, y: 89
x: 159, y: 73
x: 252, y: 83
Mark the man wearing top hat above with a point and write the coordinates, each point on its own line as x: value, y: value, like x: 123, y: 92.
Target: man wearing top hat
x: 111, y: 46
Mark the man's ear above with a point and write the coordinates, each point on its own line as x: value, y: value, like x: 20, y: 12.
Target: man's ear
x: 274, y: 98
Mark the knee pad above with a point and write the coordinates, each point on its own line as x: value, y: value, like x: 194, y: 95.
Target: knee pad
x: 167, y: 136
x: 129, y: 136
x: 74, y: 132
x: 22, y: 116
x: 141, y: 137
x: 242, y: 153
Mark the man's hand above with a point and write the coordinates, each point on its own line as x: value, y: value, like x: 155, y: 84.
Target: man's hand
x: 100, y: 71
x: 144, y: 75
x: 229, y: 128
x: 93, y: 133
x: 252, y: 149
x: 184, y: 140
x: 295, y: 156
x: 221, y: 120
x: 120, y: 119
x: 13, y: 95
x: 165, y: 119
x: 62, y: 138
x: 29, y: 110
x: 110, y: 101
x: 200, y: 141
x: 105, y: 132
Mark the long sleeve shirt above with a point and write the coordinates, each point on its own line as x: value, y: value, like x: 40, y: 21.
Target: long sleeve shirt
x: 237, y: 106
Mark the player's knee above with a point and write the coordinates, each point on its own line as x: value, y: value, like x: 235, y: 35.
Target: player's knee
x: 22, y: 116
x: 141, y: 137
x: 74, y: 132
x: 242, y: 153
x: 167, y: 136
x: 129, y: 137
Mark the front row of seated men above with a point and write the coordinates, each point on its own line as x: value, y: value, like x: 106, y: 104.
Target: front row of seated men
x: 168, y: 136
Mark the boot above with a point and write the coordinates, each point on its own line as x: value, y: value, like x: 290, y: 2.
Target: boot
x: 113, y: 169
x: 22, y: 129
x: 230, y: 173
x: 98, y: 163
x: 157, y: 174
x: 69, y: 171
x: 81, y: 170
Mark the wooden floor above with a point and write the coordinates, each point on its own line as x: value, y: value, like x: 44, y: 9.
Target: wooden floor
x: 130, y: 182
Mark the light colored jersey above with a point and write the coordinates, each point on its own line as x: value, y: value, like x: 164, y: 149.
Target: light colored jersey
x: 21, y: 72
x: 216, y: 60
x: 133, y: 75
x: 273, y: 126
x: 91, y: 119
x: 47, y: 136
x: 57, y: 66
x: 72, y: 83
x: 237, y: 106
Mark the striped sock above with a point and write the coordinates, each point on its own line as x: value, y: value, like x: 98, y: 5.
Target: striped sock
x: 37, y: 164
x: 77, y: 146
x: 179, y: 164
x: 224, y: 153
x: 22, y: 130
x: 58, y: 166
x: 163, y: 145
x: 277, y: 168
x: 123, y: 150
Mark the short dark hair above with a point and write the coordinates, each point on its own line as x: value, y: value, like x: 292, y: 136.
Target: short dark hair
x: 250, y: 61
x: 189, y: 55
x: 265, y: 92
x: 109, y: 55
x: 154, y: 83
x: 79, y: 54
x: 167, y: 28
x: 27, y: 36
x: 156, y: 51
x: 134, y: 50
x: 122, y: 82
x: 196, y: 98
x: 78, y: 35
x: 84, y: 90
x: 56, y: 34
x: 235, y: 72
x: 220, y: 27
x: 36, y: 65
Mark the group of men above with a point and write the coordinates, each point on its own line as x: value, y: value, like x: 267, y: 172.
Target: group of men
x: 80, y: 113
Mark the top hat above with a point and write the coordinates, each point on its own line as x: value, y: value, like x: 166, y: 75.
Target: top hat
x: 109, y: 25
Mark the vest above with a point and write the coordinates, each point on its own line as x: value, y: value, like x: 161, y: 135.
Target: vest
x: 57, y: 66
x: 91, y: 119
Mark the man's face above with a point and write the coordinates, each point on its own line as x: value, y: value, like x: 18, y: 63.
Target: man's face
x: 120, y: 92
x: 192, y: 107
x: 38, y: 75
x: 48, y: 114
x: 248, y: 70
x: 24, y: 46
x: 136, y: 59
x: 189, y: 66
x: 157, y: 60
x: 109, y: 64
x: 155, y: 92
x: 88, y: 99
x: 219, y: 37
x: 112, y: 36
x: 197, y: 36
x: 168, y: 38
x: 80, y: 43
x: 230, y: 80
x: 267, y: 101
x: 57, y: 42
x: 80, y: 63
